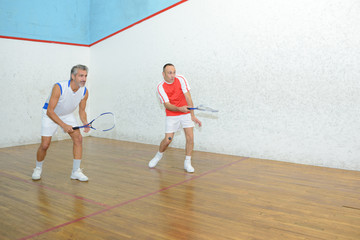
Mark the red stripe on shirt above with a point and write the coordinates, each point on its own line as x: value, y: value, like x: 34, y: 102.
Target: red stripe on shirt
x: 160, y: 93
x: 184, y: 82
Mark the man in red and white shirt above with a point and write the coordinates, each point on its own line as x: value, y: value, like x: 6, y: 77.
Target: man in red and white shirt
x: 174, y: 94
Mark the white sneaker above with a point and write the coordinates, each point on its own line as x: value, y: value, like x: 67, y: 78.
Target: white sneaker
x: 78, y: 175
x: 154, y: 161
x: 37, y: 173
x: 188, y: 167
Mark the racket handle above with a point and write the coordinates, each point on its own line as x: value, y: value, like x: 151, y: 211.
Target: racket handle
x: 75, y: 128
x: 191, y: 108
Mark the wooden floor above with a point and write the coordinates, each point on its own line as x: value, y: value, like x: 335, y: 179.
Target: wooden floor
x: 227, y: 197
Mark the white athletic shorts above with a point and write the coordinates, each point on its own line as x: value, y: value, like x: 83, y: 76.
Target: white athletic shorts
x: 49, y: 127
x: 174, y: 123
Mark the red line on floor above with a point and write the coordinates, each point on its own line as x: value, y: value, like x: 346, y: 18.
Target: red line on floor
x: 53, y: 189
x: 133, y: 200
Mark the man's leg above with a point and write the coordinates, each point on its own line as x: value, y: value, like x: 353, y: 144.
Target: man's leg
x: 166, y: 142
x: 77, y: 144
x: 44, y: 146
x: 163, y: 146
x: 77, y: 153
x: 189, y: 134
x: 40, y: 156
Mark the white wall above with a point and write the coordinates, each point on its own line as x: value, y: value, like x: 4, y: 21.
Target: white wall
x: 284, y: 75
x: 28, y: 71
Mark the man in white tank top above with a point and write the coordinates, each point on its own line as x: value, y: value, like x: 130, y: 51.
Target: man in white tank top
x: 58, y: 110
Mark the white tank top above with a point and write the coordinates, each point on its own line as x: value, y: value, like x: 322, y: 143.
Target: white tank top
x: 68, y: 100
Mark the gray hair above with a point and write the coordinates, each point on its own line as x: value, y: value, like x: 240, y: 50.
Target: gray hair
x: 75, y: 69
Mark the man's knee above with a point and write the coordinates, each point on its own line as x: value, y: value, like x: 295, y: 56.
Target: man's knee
x: 168, y: 140
x: 78, y: 139
x: 44, y: 146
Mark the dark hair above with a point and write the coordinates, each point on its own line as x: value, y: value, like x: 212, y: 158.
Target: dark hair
x: 168, y: 64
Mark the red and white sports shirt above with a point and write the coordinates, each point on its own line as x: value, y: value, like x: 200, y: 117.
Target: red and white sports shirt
x: 173, y: 93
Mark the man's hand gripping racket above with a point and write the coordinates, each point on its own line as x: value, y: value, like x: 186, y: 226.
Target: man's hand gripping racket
x: 104, y: 122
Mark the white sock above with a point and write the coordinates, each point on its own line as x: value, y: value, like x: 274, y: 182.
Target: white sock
x: 39, y: 164
x: 76, y: 164
x: 159, y: 155
x: 187, y: 161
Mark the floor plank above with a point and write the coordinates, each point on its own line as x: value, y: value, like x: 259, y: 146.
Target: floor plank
x: 228, y: 197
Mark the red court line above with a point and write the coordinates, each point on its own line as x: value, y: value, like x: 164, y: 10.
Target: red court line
x: 142, y: 20
x: 92, y: 44
x: 53, y: 189
x: 133, y: 200
x: 44, y: 41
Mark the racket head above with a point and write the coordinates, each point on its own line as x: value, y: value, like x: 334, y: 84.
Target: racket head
x: 104, y: 122
x: 203, y: 107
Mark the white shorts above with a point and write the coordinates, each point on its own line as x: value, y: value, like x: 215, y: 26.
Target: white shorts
x: 174, y: 123
x: 49, y: 127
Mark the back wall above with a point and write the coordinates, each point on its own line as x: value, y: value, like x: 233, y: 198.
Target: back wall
x: 283, y: 75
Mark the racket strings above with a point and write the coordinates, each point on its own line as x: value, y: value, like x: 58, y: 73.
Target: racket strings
x: 104, y: 122
x: 206, y: 108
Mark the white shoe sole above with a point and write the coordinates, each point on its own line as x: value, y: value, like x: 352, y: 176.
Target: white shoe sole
x: 81, y: 180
